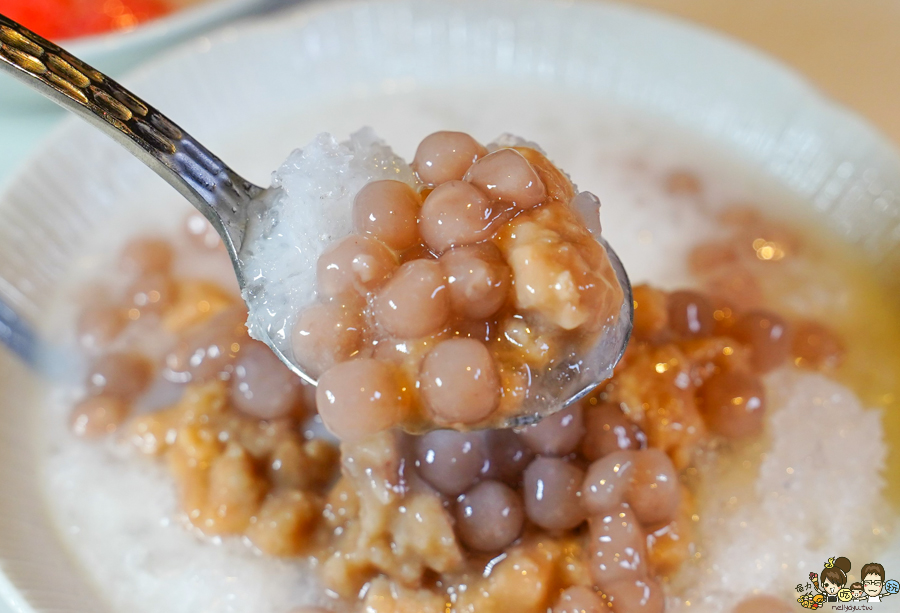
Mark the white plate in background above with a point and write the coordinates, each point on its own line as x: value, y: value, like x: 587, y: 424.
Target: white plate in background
x: 229, y: 89
x: 117, y: 51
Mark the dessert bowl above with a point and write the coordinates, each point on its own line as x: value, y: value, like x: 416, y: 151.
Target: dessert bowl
x: 579, y: 78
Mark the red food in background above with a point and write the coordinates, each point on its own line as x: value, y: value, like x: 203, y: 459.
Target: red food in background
x: 61, y: 19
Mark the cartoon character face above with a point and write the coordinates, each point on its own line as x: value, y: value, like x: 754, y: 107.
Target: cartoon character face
x: 857, y: 594
x: 872, y: 584
x: 832, y: 588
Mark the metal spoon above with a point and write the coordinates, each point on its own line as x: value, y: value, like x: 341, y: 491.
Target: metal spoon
x: 223, y: 196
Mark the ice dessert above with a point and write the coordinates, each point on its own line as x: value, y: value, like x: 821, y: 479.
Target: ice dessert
x: 464, y: 291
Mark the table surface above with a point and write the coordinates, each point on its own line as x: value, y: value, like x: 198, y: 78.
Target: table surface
x: 848, y: 48
x: 848, y: 52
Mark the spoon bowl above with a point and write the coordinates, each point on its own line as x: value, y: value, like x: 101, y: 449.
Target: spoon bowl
x: 224, y: 197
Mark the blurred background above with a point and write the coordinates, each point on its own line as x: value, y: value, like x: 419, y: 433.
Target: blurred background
x: 847, y: 48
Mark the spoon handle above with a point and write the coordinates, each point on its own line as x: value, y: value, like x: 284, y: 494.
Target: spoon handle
x: 211, y: 186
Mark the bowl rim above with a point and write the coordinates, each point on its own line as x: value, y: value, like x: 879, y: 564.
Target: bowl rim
x: 297, y: 14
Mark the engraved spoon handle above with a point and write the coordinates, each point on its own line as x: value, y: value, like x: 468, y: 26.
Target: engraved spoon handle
x: 211, y: 186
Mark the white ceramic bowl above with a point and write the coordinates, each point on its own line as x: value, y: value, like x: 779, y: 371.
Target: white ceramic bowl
x: 231, y: 90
